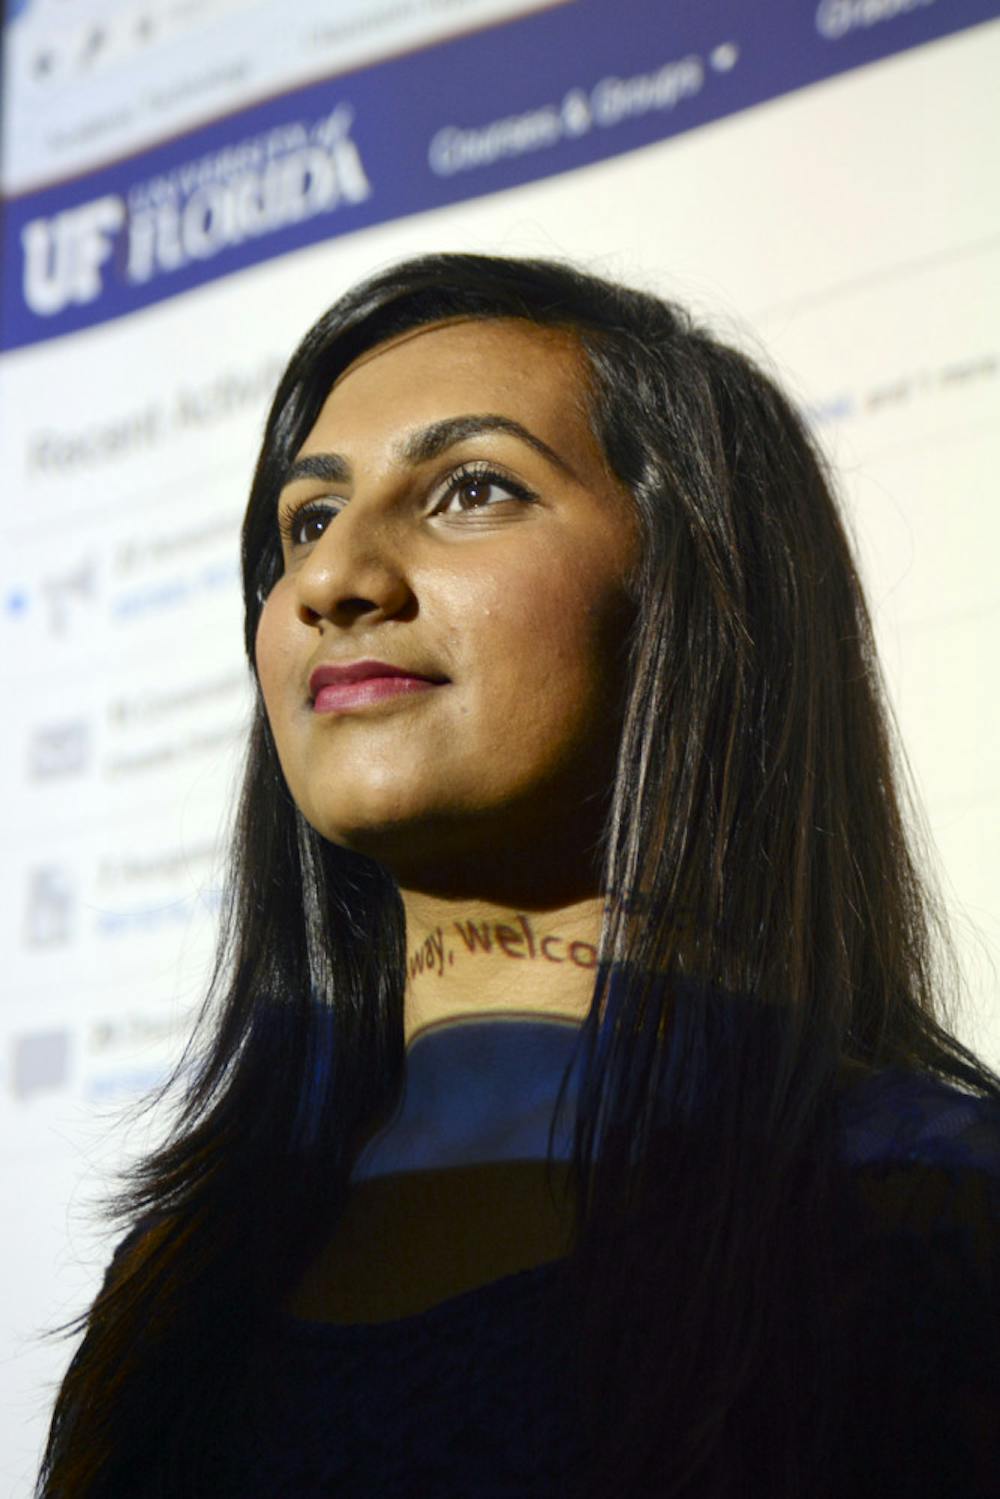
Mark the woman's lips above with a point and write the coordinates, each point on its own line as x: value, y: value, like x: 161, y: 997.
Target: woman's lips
x: 335, y: 689
x: 372, y: 690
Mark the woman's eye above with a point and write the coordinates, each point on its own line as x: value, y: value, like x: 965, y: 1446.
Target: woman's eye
x: 474, y: 491
x: 307, y: 525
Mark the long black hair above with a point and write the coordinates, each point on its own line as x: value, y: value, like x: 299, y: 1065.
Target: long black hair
x: 756, y: 863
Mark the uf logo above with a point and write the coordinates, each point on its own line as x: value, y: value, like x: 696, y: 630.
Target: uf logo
x: 63, y: 255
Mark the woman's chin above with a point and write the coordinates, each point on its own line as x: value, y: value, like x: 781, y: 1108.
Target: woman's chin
x: 396, y: 838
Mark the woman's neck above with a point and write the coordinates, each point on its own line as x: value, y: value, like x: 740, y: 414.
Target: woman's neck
x: 468, y: 957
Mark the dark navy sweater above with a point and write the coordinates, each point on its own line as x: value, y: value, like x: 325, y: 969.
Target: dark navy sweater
x: 470, y: 1396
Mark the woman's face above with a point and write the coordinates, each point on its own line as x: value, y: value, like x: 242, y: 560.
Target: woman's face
x: 441, y: 660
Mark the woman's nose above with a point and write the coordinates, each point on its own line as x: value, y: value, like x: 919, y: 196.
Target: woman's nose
x: 352, y: 570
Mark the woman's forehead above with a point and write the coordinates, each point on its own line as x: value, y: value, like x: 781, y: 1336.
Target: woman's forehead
x: 502, y: 374
x: 442, y: 339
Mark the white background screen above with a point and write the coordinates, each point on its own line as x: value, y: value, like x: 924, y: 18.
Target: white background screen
x: 186, y: 189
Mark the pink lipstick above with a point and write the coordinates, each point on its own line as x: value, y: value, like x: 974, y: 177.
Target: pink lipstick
x: 337, y: 689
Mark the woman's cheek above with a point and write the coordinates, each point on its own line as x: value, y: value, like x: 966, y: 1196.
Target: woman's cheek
x: 273, y: 652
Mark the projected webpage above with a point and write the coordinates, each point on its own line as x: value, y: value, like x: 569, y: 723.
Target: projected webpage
x: 102, y: 79
x: 843, y: 229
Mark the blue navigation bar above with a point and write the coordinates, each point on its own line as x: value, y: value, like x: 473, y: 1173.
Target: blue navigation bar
x: 510, y: 104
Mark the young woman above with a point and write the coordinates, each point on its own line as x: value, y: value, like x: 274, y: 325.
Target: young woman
x: 575, y: 1112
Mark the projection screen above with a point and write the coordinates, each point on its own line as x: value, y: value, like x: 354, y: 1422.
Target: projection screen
x: 185, y: 187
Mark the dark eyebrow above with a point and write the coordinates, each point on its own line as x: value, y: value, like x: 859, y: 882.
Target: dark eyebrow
x: 426, y: 444
x: 329, y: 467
x: 430, y: 442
